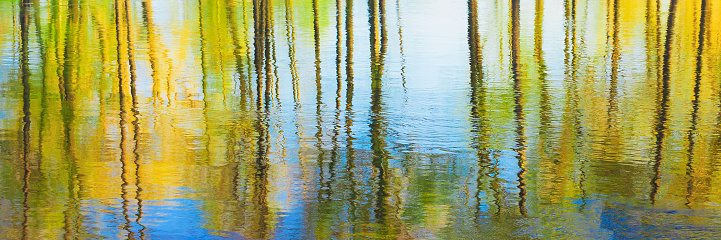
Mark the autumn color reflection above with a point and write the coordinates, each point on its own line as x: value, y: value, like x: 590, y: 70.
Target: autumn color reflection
x: 263, y: 119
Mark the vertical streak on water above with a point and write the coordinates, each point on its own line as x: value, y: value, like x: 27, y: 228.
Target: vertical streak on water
x: 663, y: 104
x: 123, y: 81
x: 261, y: 17
x: 204, y: 84
x: 384, y: 32
x: 400, y: 46
x: 133, y: 110
x: 14, y: 31
x: 290, y: 37
x: 695, y: 102
x: 376, y: 19
x: 291, y: 40
x: 271, y: 68
x: 44, y: 58
x: 479, y: 118
x: 544, y: 102
x: 153, y: 48
x: 653, y: 47
x: 25, y: 80
x: 68, y: 112
x: 274, y: 78
x: 129, y: 113
x: 323, y: 191
x: 43, y: 93
x: 106, y: 58
x: 259, y: 46
x: 397, y: 194
x: 101, y: 31
x: 56, y: 38
x: 572, y: 112
x: 548, y: 153
x: 246, y: 39
x: 238, y: 53
x: 239, y: 68
x: 520, y: 147
x: 612, y: 136
x: 131, y: 50
x: 135, y: 120
x: 350, y: 152
x: 652, y: 38
x: 339, y: 81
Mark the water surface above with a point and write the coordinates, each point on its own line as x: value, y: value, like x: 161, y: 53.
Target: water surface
x: 360, y: 119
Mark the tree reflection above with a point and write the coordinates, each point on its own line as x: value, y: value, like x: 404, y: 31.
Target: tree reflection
x: 663, y: 103
x: 103, y: 130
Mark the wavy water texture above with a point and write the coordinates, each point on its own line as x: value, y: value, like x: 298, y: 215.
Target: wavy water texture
x: 392, y: 119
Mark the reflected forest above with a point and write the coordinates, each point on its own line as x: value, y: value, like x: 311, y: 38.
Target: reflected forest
x: 360, y: 119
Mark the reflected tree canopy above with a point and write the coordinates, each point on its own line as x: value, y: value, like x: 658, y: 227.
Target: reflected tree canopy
x: 260, y: 119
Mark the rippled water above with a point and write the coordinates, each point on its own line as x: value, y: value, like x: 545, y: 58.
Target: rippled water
x: 360, y: 119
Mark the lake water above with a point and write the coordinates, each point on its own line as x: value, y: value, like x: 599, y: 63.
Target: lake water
x: 391, y: 119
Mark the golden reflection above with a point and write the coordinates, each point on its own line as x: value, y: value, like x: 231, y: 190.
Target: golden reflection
x: 663, y: 102
x: 690, y: 172
x: 157, y: 54
x: 603, y: 111
x: 68, y: 73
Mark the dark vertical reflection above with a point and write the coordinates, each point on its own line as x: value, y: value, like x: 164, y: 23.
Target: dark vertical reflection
x: 132, y: 112
x: 334, y: 155
x: 690, y: 171
x: 520, y: 147
x: 324, y: 192
x: 613, y: 85
x: 290, y: 37
x: 25, y: 80
x: 613, y: 137
x: 128, y: 118
x: 135, y: 121
x: 246, y: 41
x: 272, y: 68
x: 663, y: 104
x: 262, y: 19
x: 350, y: 151
x: 69, y: 70
x: 376, y: 19
x: 204, y: 82
x: 291, y: 40
x: 122, y: 82
x: 479, y: 119
x: 65, y: 119
x: 400, y: 46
